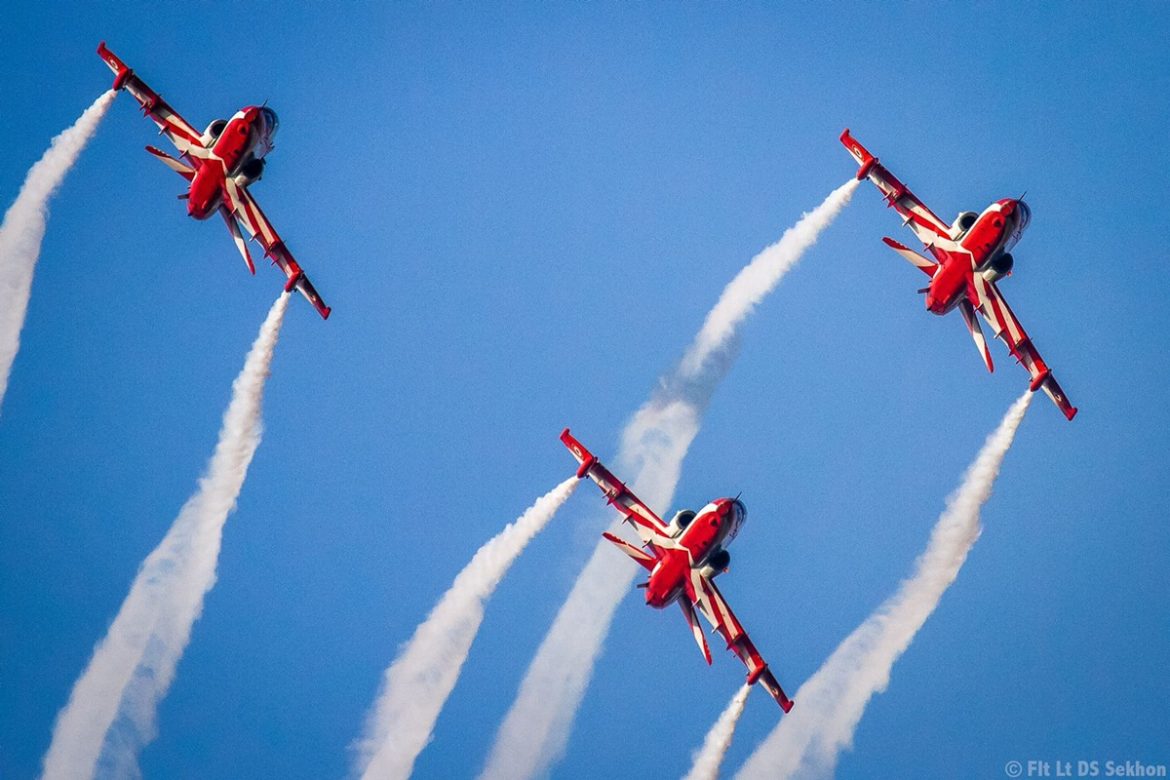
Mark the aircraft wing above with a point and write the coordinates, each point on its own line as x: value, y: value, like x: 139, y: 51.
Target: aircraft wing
x: 931, y: 231
x: 185, y: 137
x: 649, y: 526
x: 244, y: 208
x: 711, y: 604
x: 990, y: 303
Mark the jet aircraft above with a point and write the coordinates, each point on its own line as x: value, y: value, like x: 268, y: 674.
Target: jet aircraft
x: 683, y: 558
x: 970, y: 256
x: 220, y: 163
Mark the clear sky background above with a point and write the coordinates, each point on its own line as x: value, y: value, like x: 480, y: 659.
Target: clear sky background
x: 520, y: 215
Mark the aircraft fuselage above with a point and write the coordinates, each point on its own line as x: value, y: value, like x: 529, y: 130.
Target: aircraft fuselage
x: 245, y: 139
x: 710, y: 531
x: 993, y: 234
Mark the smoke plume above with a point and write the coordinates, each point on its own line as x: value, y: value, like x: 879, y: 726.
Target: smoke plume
x: 709, y: 758
x: 536, y: 729
x: 808, y: 741
x: 423, y: 675
x: 110, y: 716
x: 24, y: 228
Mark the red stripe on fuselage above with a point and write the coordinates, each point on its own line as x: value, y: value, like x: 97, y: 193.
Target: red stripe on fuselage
x: 667, y: 578
x: 948, y: 286
x: 238, y: 138
x: 709, y: 529
x: 995, y: 231
x: 206, y: 191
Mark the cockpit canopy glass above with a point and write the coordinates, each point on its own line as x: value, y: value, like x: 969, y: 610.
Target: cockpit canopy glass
x: 270, y: 119
x: 1025, y: 214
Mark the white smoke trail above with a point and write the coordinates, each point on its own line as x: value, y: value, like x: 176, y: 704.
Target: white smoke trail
x: 423, y: 675
x: 709, y: 758
x: 24, y: 228
x: 536, y: 729
x: 759, y: 277
x: 111, y: 712
x: 830, y: 704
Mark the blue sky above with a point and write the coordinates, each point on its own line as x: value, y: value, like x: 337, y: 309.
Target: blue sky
x: 520, y: 215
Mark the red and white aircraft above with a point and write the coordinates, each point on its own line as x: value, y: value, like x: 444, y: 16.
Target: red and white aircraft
x: 970, y: 256
x: 683, y: 558
x: 220, y: 163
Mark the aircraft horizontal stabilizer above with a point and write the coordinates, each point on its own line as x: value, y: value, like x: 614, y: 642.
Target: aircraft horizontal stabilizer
x: 184, y: 170
x: 927, y: 266
x: 644, y: 558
